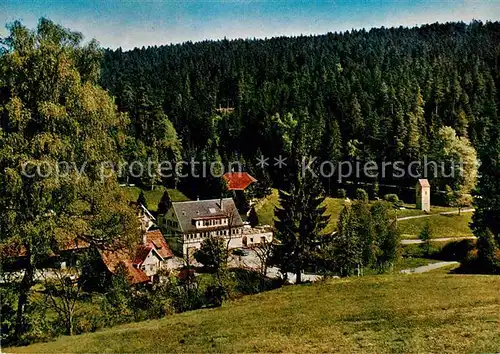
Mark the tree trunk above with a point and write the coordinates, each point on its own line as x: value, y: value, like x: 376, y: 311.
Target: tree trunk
x: 298, y: 276
x: 24, y: 289
x: 69, y: 324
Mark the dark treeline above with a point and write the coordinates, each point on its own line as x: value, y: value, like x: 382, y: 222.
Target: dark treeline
x: 372, y: 95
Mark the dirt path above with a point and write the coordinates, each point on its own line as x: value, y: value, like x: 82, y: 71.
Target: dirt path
x: 470, y: 210
x: 428, y: 267
x: 441, y: 239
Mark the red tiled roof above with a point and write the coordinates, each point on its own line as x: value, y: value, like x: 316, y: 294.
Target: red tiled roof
x: 74, y: 245
x: 154, y: 238
x: 15, y: 249
x: 424, y: 183
x: 238, y: 181
x: 113, y: 258
x: 141, y: 253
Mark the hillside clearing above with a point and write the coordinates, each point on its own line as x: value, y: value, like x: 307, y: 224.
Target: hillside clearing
x: 154, y: 196
x: 412, y: 313
x: 451, y: 225
x: 442, y: 226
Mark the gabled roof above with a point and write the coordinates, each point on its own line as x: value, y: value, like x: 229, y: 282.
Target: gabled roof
x: 15, y: 249
x: 155, y: 242
x: 238, y: 181
x: 423, y: 183
x: 154, y: 238
x: 196, y: 209
x: 139, y: 206
x: 123, y: 256
x: 141, y: 253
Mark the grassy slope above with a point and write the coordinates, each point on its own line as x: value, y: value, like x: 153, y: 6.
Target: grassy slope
x: 441, y: 225
x: 154, y: 196
x: 265, y: 209
x: 417, y: 313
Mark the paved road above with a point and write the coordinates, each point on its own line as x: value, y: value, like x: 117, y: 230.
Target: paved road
x: 441, y: 239
x: 252, y: 261
x: 470, y: 210
x: 428, y: 267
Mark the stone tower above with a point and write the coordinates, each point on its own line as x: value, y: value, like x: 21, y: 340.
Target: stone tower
x: 423, y: 195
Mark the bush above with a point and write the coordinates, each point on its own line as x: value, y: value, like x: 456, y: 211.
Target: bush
x: 342, y: 193
x: 252, y: 282
x: 455, y: 251
x: 391, y: 198
x: 361, y: 195
x: 8, y: 313
x: 38, y: 327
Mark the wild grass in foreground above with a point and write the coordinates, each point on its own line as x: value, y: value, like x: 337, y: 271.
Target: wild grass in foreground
x: 413, y: 313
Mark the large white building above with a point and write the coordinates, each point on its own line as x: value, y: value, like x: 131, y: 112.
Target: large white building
x: 187, y: 224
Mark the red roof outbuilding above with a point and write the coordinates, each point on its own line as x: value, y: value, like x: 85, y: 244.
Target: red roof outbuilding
x: 238, y: 181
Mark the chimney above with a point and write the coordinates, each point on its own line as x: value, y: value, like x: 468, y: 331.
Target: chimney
x: 144, y: 239
x: 198, y: 198
x: 221, y: 204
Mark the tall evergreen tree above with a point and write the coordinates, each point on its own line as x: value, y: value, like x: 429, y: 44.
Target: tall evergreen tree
x: 165, y: 203
x: 486, y: 218
x: 142, y: 199
x: 253, y: 218
x: 299, y: 222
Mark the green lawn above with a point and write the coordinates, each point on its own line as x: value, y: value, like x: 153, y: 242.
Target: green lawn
x: 265, y: 210
x: 403, y: 313
x: 412, y: 262
x: 441, y: 225
x: 154, y: 196
x: 411, y: 210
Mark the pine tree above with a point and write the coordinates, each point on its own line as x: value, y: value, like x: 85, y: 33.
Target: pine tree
x: 331, y: 150
x: 165, y: 203
x: 486, y: 218
x: 142, y: 199
x: 299, y: 221
x: 253, y: 218
x: 426, y: 236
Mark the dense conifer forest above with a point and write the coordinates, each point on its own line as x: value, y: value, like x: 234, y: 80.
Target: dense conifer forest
x: 381, y: 94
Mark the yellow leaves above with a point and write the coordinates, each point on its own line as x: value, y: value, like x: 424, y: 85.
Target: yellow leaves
x: 13, y: 181
x: 50, y: 110
x: 48, y: 144
x: 17, y: 113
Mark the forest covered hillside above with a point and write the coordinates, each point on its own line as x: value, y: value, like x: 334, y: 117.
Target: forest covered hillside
x: 381, y: 94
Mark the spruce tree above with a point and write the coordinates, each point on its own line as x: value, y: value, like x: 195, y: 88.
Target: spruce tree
x: 164, y: 204
x: 253, y: 218
x: 300, y: 217
x: 486, y: 218
x: 142, y: 199
x: 299, y: 222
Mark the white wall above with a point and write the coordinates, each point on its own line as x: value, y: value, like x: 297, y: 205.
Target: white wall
x: 256, y: 238
x: 151, y: 264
